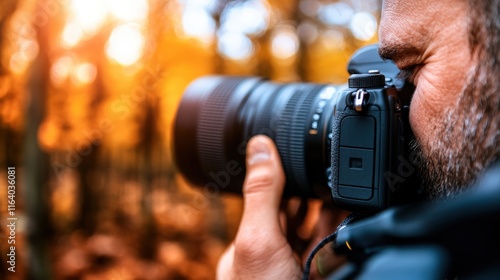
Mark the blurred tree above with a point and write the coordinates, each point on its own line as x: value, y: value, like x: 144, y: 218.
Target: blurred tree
x: 37, y: 161
x: 125, y: 63
x: 7, y: 8
x: 9, y: 135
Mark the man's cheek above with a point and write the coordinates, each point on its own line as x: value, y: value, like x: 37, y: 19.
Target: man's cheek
x: 416, y: 115
x: 423, y: 117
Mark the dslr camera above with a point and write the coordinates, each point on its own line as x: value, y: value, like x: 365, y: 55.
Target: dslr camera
x: 349, y: 143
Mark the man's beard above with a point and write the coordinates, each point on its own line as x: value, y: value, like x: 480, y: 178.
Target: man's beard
x: 466, y: 141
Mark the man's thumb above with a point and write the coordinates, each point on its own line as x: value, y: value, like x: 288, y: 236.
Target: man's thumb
x: 264, y: 182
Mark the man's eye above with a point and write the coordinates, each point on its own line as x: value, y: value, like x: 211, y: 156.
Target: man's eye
x: 409, y: 73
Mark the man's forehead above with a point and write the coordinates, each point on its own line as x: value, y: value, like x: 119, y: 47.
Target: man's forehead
x: 406, y: 28
x: 405, y: 5
x: 420, y: 8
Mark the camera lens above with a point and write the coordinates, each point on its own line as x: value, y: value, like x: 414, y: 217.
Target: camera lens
x: 218, y: 115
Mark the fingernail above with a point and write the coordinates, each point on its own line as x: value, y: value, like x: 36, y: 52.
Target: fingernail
x: 258, y: 152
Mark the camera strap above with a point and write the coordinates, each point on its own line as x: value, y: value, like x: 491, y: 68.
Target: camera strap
x: 326, y: 240
x: 453, y: 237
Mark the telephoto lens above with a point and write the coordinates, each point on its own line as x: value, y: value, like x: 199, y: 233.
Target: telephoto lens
x: 349, y: 143
x: 219, y: 114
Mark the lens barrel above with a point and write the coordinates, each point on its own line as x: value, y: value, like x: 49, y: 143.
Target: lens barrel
x: 218, y: 115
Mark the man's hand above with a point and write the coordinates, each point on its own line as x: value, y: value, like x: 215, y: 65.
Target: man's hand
x: 260, y: 249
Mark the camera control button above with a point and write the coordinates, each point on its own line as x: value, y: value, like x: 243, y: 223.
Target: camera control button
x: 366, y: 81
x: 357, y: 132
x: 356, y: 167
x: 355, y: 192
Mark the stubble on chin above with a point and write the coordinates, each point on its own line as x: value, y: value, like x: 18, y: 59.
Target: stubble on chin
x: 465, y: 141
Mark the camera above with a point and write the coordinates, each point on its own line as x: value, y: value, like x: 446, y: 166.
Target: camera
x: 346, y: 142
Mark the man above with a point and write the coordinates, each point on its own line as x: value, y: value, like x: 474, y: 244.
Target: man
x: 450, y: 50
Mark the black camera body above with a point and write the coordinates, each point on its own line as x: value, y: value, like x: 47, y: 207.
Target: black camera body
x: 368, y: 136
x: 351, y: 144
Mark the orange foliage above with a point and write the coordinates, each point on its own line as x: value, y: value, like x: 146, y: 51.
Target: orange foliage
x: 116, y: 72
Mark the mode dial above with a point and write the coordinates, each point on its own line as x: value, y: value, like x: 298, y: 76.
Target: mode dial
x: 371, y: 80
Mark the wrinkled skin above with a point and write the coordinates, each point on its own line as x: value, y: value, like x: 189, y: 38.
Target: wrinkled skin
x: 454, y: 110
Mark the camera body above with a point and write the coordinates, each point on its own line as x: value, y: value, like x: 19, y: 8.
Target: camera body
x: 373, y: 166
x: 368, y: 136
x: 349, y: 144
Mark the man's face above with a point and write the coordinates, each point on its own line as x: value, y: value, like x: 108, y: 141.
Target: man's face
x: 429, y: 41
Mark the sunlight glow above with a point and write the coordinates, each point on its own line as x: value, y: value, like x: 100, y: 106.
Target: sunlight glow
x: 234, y: 45
x: 250, y: 17
x: 332, y: 40
x: 336, y: 14
x: 126, y: 44
x: 307, y: 31
x: 366, y: 5
x: 83, y: 73
x: 285, y: 44
x: 72, y: 35
x: 90, y: 15
x: 129, y: 10
x: 198, y: 23
x: 61, y: 69
x: 208, y: 5
x: 18, y: 63
x: 309, y: 7
x: 363, y: 26
x: 27, y: 52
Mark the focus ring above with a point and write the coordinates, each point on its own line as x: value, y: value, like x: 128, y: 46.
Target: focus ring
x: 264, y: 119
x: 210, y: 128
x: 291, y: 135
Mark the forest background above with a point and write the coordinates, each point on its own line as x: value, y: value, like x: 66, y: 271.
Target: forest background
x: 88, y: 94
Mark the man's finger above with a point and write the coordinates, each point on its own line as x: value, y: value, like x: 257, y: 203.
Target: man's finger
x: 225, y: 263
x: 263, y: 187
x: 261, y: 250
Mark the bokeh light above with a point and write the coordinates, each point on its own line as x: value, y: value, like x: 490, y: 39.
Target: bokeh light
x: 248, y: 17
x: 83, y: 73
x: 307, y: 31
x: 48, y: 135
x: 112, y: 73
x: 72, y: 34
x: 197, y: 22
x: 284, y: 43
x: 309, y: 7
x: 126, y: 44
x: 90, y: 15
x: 61, y: 69
x: 371, y: 6
x: 363, y: 26
x: 129, y: 10
x: 27, y: 50
x: 208, y: 5
x: 332, y: 40
x: 235, y: 45
x: 336, y: 14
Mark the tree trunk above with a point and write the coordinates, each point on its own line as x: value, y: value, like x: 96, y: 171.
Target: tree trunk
x: 36, y: 166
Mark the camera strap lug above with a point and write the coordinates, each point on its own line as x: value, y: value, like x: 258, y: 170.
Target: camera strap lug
x: 360, y: 100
